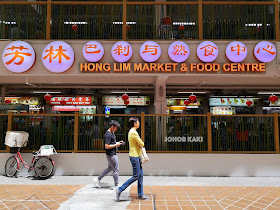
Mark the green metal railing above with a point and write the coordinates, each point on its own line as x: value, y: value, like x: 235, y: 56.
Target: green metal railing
x: 92, y: 129
x: 176, y: 133
x: 189, y: 19
x: 161, y: 133
x: 23, y: 21
x: 238, y: 22
x: 233, y: 133
x: 86, y: 22
x: 45, y: 130
x: 150, y: 22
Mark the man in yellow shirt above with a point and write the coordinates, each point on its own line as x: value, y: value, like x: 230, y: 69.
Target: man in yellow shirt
x: 135, y: 144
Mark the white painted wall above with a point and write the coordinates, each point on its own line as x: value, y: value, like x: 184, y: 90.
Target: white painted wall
x: 164, y: 164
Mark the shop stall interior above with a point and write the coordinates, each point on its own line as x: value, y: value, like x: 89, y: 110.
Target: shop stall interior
x: 110, y: 101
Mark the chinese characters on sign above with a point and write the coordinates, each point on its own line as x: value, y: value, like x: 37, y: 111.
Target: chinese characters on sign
x: 113, y: 100
x: 265, y: 51
x: 178, y: 51
x: 150, y: 51
x: 93, y: 51
x: 58, y: 56
x: 207, y: 51
x: 121, y: 51
x: 236, y: 52
x: 18, y: 56
x: 71, y: 100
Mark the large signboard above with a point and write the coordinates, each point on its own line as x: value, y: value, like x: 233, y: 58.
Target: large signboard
x: 81, y: 100
x: 58, y: 57
x: 231, y: 101
x: 23, y: 100
x: 136, y: 101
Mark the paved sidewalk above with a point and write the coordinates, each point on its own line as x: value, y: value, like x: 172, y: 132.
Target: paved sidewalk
x: 79, y: 192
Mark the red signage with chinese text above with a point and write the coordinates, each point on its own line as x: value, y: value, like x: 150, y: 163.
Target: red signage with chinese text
x: 81, y: 100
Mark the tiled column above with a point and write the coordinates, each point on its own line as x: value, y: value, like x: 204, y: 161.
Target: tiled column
x: 160, y: 95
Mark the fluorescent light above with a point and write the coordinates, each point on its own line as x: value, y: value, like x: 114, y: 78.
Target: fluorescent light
x: 120, y: 23
x: 184, y: 23
x: 124, y: 92
x: 193, y: 92
x: 268, y: 93
x: 45, y: 91
x: 251, y: 97
x: 117, y: 107
x: 8, y: 23
x: 77, y: 23
x: 255, y: 24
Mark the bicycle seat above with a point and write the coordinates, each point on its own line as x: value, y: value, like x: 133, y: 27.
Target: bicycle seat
x: 34, y: 153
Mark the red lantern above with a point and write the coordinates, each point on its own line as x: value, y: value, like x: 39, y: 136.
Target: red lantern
x: 8, y: 101
x: 187, y: 102
x: 74, y: 27
x: 63, y: 102
x: 181, y: 28
x: 127, y: 28
x: 47, y: 97
x: 249, y: 103
x: 126, y: 102
x: 273, y: 98
x: 167, y: 21
x: 192, y: 98
x: 125, y: 97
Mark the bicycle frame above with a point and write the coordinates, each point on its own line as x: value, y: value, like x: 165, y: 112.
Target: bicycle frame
x: 19, y: 159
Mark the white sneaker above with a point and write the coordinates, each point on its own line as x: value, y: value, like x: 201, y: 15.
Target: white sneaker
x: 115, y: 187
x: 97, y: 183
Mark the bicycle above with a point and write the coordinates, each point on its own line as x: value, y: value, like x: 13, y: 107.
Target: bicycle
x: 42, y: 165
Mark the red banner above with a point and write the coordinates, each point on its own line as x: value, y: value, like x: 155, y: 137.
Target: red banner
x: 82, y: 100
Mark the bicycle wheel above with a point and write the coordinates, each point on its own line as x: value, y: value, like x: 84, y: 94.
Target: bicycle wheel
x: 43, y: 167
x: 11, y: 166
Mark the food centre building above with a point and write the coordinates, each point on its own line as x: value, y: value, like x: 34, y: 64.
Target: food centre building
x: 157, y: 75
x: 202, y: 76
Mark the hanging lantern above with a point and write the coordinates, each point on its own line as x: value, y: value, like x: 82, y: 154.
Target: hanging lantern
x: 187, y: 102
x: 167, y: 21
x: 8, y: 101
x: 63, y: 102
x: 181, y: 28
x: 192, y: 98
x: 126, y: 102
x: 125, y: 97
x: 74, y: 27
x: 273, y: 98
x: 127, y: 28
x: 47, y: 97
x: 249, y: 103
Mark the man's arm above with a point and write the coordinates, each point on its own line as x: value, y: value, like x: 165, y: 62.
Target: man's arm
x: 108, y: 144
x: 111, y: 146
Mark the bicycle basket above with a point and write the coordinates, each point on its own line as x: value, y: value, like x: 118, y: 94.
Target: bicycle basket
x: 16, y: 138
x: 46, y: 150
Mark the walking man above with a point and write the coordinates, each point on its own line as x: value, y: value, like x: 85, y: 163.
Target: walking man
x: 111, y: 148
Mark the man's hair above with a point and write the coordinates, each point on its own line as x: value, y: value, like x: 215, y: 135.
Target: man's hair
x: 115, y: 123
x: 132, y: 120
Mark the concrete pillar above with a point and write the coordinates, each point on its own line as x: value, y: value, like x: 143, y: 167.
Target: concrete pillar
x: 151, y: 108
x: 99, y: 105
x: 3, y: 94
x: 160, y: 95
x: 205, y: 105
x: 259, y: 109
